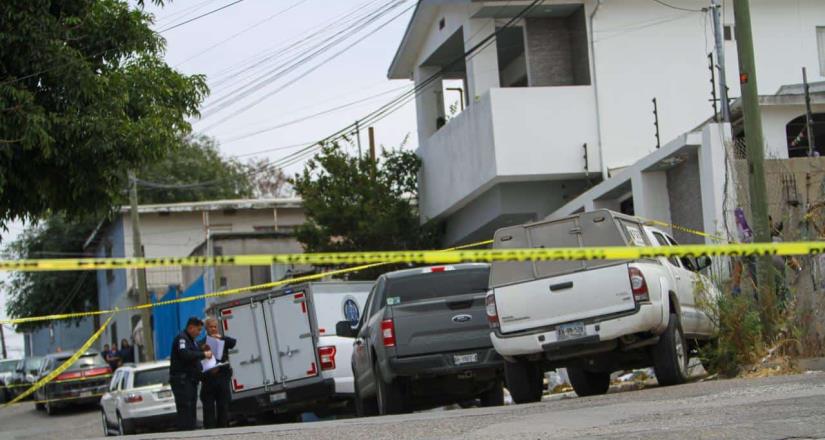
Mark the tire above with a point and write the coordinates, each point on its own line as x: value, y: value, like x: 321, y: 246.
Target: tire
x: 39, y: 406
x: 670, y: 355
x: 524, y: 381
x: 390, y: 396
x: 493, y: 396
x: 50, y: 409
x: 105, y: 424
x: 364, y: 406
x: 124, y: 428
x: 587, y: 383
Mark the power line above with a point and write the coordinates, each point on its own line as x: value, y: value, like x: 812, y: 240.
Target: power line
x: 679, y: 8
x: 174, y: 26
x: 245, y: 30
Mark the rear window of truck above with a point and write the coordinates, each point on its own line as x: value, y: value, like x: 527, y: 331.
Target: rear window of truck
x: 435, y: 285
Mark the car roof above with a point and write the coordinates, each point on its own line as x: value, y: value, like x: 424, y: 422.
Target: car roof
x: 404, y: 273
x: 68, y: 354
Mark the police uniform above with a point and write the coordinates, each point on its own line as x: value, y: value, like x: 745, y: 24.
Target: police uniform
x: 184, y: 374
x: 215, y: 393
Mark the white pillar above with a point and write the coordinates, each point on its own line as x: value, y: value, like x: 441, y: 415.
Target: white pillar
x: 427, y: 102
x: 712, y: 170
x: 650, y: 196
x: 482, y: 67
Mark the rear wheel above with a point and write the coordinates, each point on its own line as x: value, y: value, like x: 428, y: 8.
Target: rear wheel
x: 494, y: 396
x: 364, y: 406
x: 588, y: 383
x: 50, y: 409
x: 390, y: 395
x: 524, y: 381
x: 670, y: 355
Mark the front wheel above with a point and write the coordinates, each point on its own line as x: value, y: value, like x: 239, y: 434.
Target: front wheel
x: 588, y: 383
x: 364, y: 406
x: 670, y: 355
x: 50, y: 409
x: 524, y: 380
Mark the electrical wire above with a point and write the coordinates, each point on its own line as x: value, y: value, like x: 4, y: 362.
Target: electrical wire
x: 175, y: 26
x: 245, y: 30
x: 679, y: 8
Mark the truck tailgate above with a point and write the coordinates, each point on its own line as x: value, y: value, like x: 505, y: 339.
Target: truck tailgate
x: 439, y: 325
x: 565, y: 298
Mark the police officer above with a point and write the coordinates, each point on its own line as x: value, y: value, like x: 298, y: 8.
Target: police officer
x: 215, y: 394
x: 185, y: 373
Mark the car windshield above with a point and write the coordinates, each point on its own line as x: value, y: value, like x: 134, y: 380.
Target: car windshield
x: 33, y: 364
x: 87, y: 361
x: 435, y: 285
x: 155, y: 376
x: 8, y: 366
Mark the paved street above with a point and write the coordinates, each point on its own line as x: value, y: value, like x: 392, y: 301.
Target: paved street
x: 769, y: 408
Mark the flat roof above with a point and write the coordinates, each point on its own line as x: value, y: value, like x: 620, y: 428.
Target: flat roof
x: 217, y: 205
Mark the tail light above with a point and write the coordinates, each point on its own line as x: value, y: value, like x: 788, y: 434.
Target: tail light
x: 492, y: 311
x: 134, y: 398
x: 638, y: 285
x: 327, y: 355
x: 388, y: 332
x: 69, y: 376
x: 97, y: 372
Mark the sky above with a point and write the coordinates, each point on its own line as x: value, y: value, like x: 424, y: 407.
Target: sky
x: 236, y: 46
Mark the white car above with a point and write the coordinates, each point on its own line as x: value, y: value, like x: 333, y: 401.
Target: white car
x: 139, y: 397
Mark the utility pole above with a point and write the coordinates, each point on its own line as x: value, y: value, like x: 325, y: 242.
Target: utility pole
x: 143, y: 295
x: 373, y: 164
x: 756, y: 160
x: 3, y: 342
x: 719, y: 36
x: 809, y: 116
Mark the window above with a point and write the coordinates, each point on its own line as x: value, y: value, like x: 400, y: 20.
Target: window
x: 730, y: 33
x: 687, y: 262
x: 820, y: 40
x: 412, y: 288
x: 663, y: 242
x: 123, y: 381
x: 156, y: 376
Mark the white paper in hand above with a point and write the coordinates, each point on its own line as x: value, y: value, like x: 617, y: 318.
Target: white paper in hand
x: 209, y: 364
x: 216, y: 347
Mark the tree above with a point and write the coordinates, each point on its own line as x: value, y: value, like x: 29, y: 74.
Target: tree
x: 268, y: 181
x: 43, y: 293
x: 84, y: 96
x: 350, y: 210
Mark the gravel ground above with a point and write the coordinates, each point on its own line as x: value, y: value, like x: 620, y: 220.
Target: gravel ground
x: 768, y: 408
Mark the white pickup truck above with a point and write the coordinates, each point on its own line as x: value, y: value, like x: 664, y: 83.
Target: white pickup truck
x: 598, y: 316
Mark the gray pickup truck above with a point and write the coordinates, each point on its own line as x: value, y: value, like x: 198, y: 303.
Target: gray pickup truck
x: 424, y: 341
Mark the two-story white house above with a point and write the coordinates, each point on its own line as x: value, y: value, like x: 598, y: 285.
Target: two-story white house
x: 562, y: 98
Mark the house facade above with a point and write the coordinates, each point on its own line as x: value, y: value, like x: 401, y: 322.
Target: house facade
x: 562, y: 98
x: 167, y: 230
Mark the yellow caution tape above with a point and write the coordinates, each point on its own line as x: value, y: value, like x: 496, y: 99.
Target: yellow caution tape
x: 62, y: 367
x: 426, y: 257
x: 237, y: 291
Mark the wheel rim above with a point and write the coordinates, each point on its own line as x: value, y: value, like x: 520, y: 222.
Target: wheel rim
x: 681, y: 355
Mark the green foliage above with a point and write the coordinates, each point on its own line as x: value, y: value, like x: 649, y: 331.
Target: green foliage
x: 41, y: 293
x: 196, y: 159
x: 350, y: 210
x: 739, y: 339
x: 84, y: 96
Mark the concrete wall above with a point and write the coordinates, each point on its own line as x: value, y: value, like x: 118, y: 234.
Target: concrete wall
x: 775, y: 119
x: 684, y: 191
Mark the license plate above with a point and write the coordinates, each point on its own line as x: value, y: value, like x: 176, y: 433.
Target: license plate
x: 461, y: 359
x: 86, y: 394
x: 164, y: 394
x: 277, y: 397
x: 571, y: 331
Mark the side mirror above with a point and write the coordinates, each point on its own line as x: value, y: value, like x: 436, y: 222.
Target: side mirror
x: 344, y: 328
x: 703, y: 262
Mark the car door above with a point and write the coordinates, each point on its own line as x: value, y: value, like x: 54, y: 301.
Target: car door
x: 685, y: 284
x: 108, y: 401
x: 360, y: 354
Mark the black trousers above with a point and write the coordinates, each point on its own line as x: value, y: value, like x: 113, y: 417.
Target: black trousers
x: 185, y: 390
x: 215, y: 396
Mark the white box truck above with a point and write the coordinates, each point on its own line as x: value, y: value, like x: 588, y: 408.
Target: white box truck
x: 288, y: 359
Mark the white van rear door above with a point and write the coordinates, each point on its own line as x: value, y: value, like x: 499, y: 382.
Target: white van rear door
x: 250, y: 360
x: 293, y: 344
